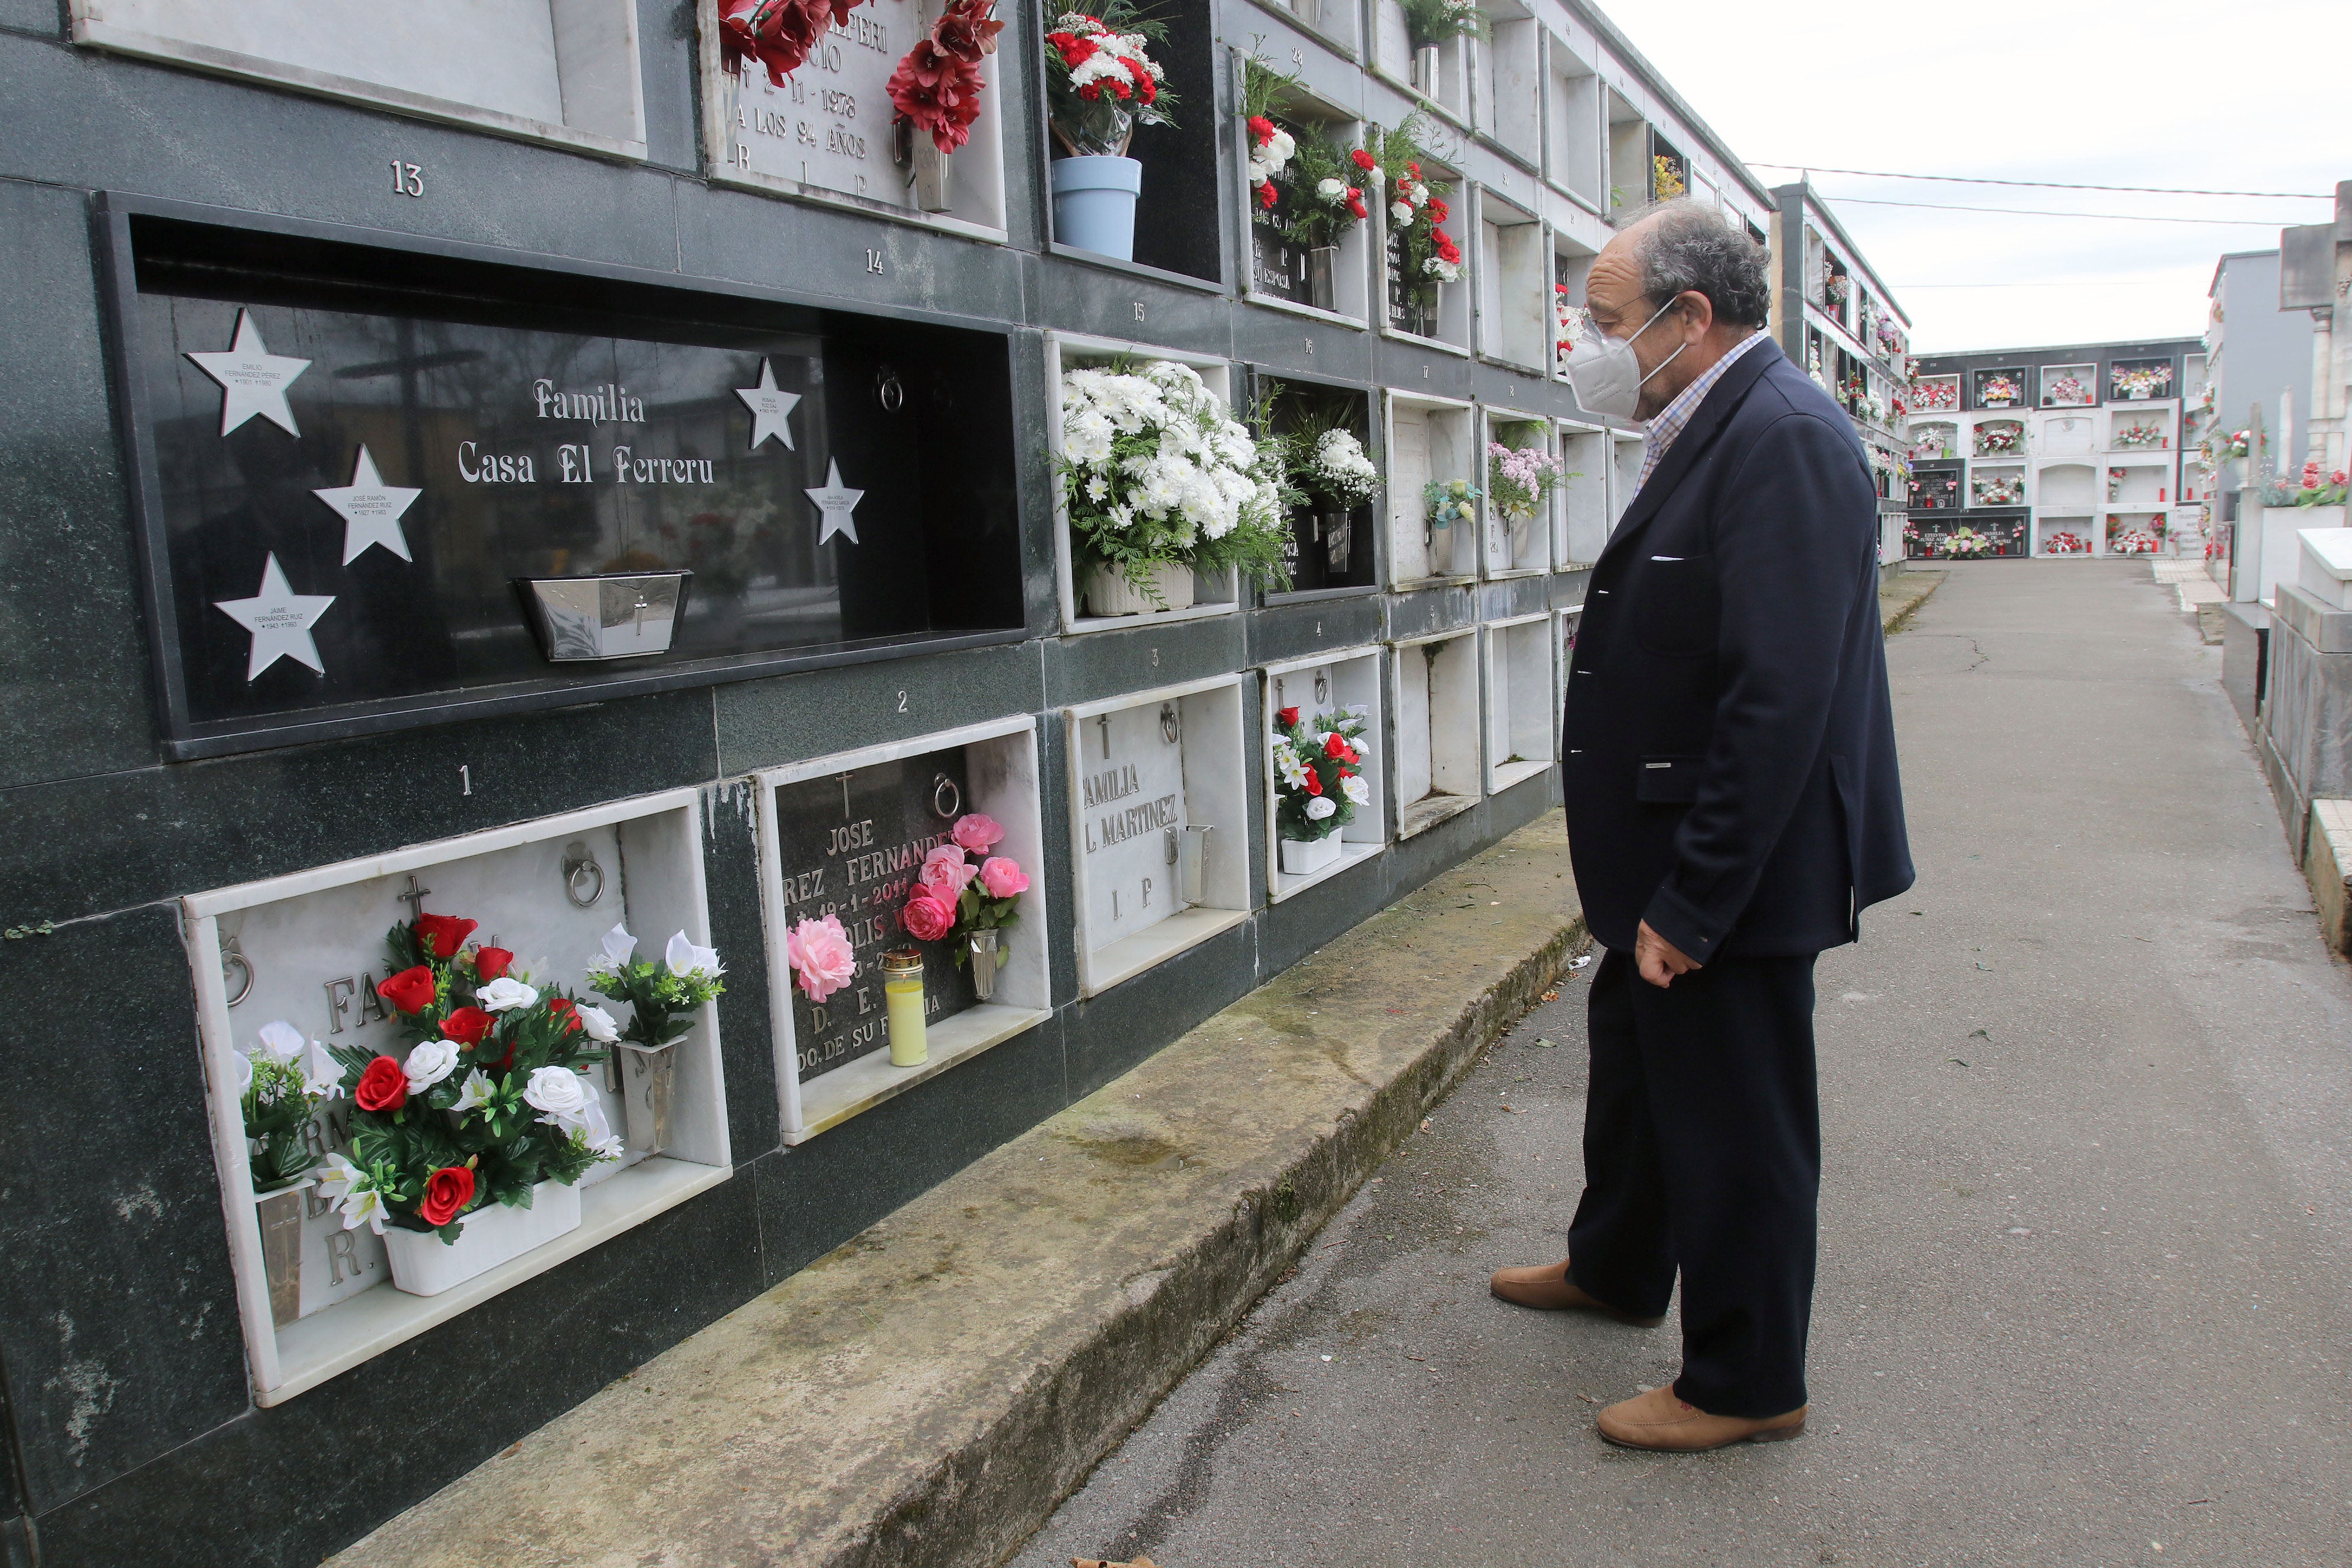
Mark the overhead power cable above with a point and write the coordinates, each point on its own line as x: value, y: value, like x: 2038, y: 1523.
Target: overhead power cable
x: 2030, y: 212
x: 2055, y: 184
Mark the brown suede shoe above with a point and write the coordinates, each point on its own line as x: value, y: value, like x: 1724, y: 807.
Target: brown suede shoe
x: 1659, y: 1421
x: 1548, y: 1289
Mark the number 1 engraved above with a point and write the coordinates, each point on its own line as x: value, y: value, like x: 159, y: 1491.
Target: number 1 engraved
x: 465, y: 779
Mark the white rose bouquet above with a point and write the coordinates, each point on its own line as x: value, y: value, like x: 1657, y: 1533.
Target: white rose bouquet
x: 1156, y: 472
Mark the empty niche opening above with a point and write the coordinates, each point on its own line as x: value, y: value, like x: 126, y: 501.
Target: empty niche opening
x: 1508, y: 87
x: 1519, y: 700
x: 1575, y: 155
x: 1515, y: 323
x: 1583, y: 493
x: 1438, y: 768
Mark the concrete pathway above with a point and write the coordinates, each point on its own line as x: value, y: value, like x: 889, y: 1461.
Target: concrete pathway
x: 2088, y: 1217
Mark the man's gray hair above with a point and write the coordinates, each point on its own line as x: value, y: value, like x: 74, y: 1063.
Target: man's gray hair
x: 1695, y: 246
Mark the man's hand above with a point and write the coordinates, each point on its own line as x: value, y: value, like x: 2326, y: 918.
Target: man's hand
x: 1656, y: 959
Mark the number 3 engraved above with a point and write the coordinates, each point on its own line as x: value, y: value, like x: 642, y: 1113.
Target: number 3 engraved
x: 407, y: 179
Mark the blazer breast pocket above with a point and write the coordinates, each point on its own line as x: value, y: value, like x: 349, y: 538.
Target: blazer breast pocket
x: 1676, y: 605
x: 1667, y: 781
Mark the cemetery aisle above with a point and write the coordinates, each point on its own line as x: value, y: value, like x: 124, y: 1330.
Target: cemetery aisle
x: 2087, y: 1202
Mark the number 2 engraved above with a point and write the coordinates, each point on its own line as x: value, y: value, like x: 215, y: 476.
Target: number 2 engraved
x: 902, y: 702
x: 407, y: 179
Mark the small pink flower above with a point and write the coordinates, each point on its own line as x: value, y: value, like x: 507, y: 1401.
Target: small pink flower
x: 927, y: 916
x: 820, y: 955
x: 978, y: 833
x: 945, y: 869
x: 1004, y: 879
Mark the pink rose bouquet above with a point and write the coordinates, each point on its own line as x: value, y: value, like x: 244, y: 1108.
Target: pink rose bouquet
x: 821, y: 957
x: 962, y: 889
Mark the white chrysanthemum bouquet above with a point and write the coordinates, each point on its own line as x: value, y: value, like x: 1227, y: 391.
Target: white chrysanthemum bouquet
x: 1157, y: 472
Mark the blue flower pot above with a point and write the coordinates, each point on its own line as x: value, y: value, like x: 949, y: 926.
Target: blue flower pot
x: 1094, y: 204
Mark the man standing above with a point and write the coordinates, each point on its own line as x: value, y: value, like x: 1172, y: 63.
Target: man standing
x: 1729, y: 764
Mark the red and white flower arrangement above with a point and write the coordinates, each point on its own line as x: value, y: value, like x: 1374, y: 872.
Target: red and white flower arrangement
x: 1998, y: 436
x: 1415, y: 211
x: 491, y: 1100
x: 1569, y: 322
x: 962, y: 889
x: 1318, y: 770
x: 2140, y: 381
x: 937, y: 86
x: 2066, y: 392
x: 1101, y: 80
x: 779, y: 34
x: 2132, y: 541
x: 1271, y: 149
x: 2138, y: 437
x: 2066, y: 543
x: 1999, y: 489
x: 1941, y: 392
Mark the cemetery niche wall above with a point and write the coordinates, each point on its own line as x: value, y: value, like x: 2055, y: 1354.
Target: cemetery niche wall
x: 318, y: 1289
x: 847, y: 844
x: 463, y: 485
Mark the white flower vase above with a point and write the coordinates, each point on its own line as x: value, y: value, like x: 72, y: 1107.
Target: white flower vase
x: 1304, y: 857
x: 1108, y: 593
x: 423, y: 1265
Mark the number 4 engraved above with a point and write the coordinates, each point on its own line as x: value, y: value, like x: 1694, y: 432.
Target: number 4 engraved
x: 407, y: 179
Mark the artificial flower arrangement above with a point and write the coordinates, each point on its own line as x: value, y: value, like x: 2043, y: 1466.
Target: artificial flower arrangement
x: 1998, y: 436
x: 2115, y: 478
x: 1329, y: 464
x: 2140, y: 381
x: 1318, y: 772
x: 2004, y: 490
x: 1964, y: 542
x: 2132, y: 541
x: 2135, y: 437
x: 1890, y: 337
x: 1156, y: 473
x: 1101, y: 81
x: 2315, y: 490
x: 1891, y: 464
x: 1569, y: 323
x: 936, y: 88
x: 820, y: 955
x: 780, y: 35
x: 488, y: 1102
x: 1941, y: 392
x: 1434, y: 21
x: 281, y: 1083
x: 1416, y: 208
x: 1931, y: 442
x: 2066, y: 392
x: 1996, y: 392
x: 1449, y: 502
x: 656, y: 994
x: 2236, y: 444
x: 1519, y: 478
x: 1837, y: 286
x: 962, y: 889
x: 1328, y: 185
x: 1666, y: 178
x: 2066, y: 543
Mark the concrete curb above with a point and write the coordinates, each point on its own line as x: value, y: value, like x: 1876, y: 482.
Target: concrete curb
x: 928, y: 1392
x: 1899, y: 600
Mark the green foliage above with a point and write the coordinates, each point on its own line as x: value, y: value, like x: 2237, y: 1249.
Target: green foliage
x: 1434, y: 21
x: 276, y: 1110
x: 656, y: 996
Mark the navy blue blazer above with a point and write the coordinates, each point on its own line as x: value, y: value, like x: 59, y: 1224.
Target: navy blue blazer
x: 1727, y: 752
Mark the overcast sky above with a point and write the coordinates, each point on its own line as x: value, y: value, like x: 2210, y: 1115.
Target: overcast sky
x: 2155, y: 92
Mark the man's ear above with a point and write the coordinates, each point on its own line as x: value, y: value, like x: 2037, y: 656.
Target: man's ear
x: 1698, y: 310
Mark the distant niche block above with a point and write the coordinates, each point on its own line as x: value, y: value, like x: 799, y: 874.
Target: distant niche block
x: 1431, y: 440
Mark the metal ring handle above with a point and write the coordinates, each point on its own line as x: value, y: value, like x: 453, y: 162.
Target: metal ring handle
x: 232, y: 959
x: 944, y: 786
x: 580, y: 866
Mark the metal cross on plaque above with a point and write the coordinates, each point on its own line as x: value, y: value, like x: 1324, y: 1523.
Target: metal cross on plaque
x: 1104, y: 720
x: 413, y: 898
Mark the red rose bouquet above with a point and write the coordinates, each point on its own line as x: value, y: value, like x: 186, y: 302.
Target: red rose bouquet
x: 487, y: 1101
x: 937, y: 86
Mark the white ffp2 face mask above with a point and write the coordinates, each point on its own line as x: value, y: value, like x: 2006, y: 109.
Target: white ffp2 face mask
x: 1607, y: 376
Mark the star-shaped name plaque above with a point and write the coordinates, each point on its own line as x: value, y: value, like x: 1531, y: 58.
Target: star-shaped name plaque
x: 371, y: 510
x: 836, y: 503
x: 771, y: 409
x: 279, y: 619
x: 252, y: 379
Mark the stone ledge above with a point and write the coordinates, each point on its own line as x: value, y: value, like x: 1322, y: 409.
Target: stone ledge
x: 2327, y: 864
x: 929, y: 1391
x: 1900, y: 596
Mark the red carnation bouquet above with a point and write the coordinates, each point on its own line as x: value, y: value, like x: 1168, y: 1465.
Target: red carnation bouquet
x: 486, y: 1103
x: 1101, y: 81
x: 779, y: 34
x: 938, y: 84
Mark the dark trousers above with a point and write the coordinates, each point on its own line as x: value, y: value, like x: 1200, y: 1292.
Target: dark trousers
x: 1703, y: 1152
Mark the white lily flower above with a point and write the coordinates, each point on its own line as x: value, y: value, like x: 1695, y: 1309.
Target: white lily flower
x: 323, y: 1075
x: 279, y: 1041
x: 503, y: 994
x: 355, y: 1191
x: 430, y: 1061
x: 598, y: 1023
x: 618, y: 947
x: 475, y: 1092
x: 684, y: 958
